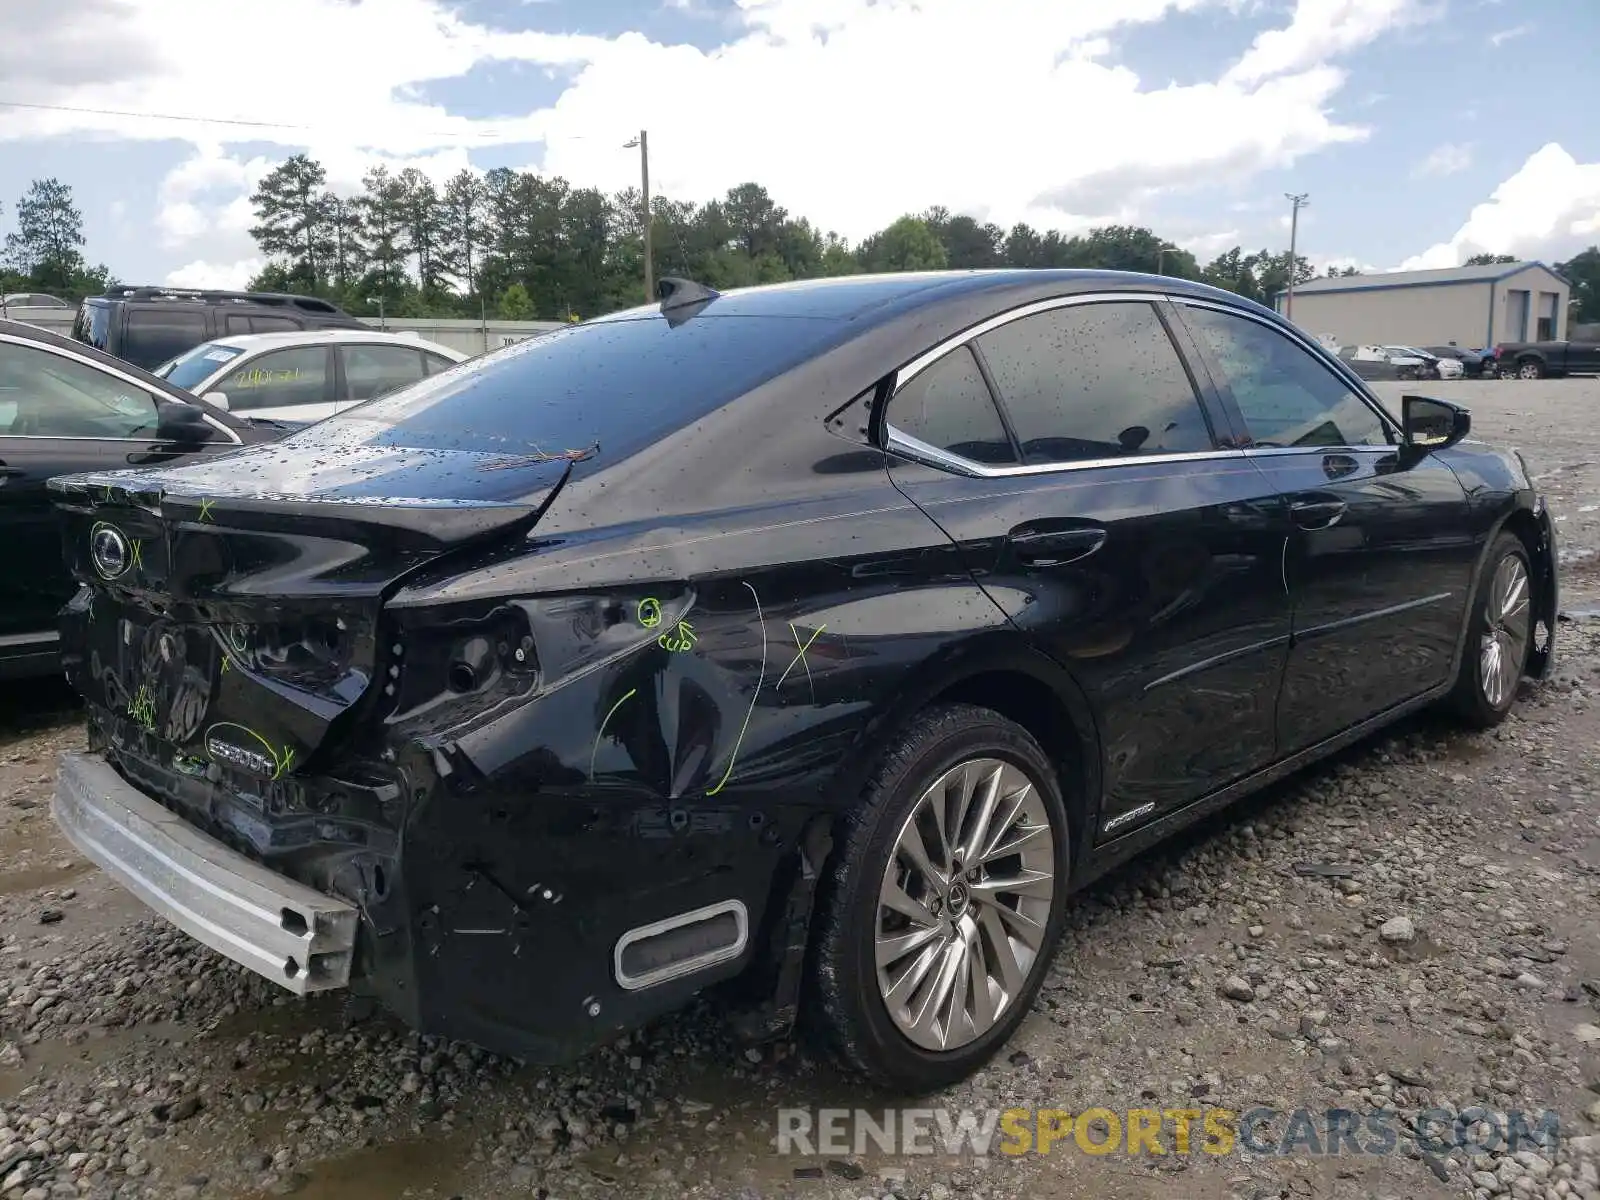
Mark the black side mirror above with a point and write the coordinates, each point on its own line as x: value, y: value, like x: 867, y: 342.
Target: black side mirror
x: 183, y: 423
x: 1430, y: 425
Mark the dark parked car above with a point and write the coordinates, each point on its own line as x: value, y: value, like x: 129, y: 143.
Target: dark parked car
x: 65, y: 407
x: 148, y: 325
x: 815, y: 639
x: 1548, y: 360
x: 1475, y: 364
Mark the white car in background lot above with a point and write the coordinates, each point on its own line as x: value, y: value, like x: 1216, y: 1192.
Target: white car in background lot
x: 307, y: 375
x: 1446, y: 368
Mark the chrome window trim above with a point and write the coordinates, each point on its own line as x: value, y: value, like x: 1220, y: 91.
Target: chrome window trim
x: 923, y: 361
x: 910, y: 447
x: 914, y: 448
x: 59, y: 352
x: 1356, y: 384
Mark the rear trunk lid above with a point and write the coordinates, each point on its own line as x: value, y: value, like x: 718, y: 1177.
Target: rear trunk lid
x: 232, y: 613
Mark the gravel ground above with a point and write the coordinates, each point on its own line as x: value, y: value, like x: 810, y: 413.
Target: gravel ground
x: 1413, y: 926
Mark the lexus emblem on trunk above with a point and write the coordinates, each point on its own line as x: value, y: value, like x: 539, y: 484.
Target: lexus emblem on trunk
x: 109, y: 550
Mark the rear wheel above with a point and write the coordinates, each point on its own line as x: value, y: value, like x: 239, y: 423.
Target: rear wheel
x: 945, y: 901
x: 1530, y: 368
x: 1499, y: 635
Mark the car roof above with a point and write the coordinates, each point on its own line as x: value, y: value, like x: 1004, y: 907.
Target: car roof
x: 313, y: 337
x: 872, y: 298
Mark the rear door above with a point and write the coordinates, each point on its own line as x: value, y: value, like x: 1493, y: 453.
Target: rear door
x: 1380, y: 559
x: 58, y: 414
x: 368, y: 371
x: 1102, y: 505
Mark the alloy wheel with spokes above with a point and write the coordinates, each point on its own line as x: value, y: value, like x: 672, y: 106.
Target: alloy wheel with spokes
x: 944, y: 900
x: 964, y: 903
x: 1508, y: 624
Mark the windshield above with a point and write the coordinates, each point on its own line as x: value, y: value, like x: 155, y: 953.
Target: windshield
x: 620, y: 383
x: 192, y: 368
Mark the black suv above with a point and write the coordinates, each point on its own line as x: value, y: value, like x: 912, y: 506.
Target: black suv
x: 148, y: 325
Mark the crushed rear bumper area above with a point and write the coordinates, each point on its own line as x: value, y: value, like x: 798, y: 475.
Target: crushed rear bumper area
x: 299, y: 938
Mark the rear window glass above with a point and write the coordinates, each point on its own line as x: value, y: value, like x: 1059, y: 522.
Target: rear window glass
x: 622, y: 383
x: 93, y: 324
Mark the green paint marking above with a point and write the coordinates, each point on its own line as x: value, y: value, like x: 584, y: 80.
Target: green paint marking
x: 205, y: 511
x: 135, y: 553
x: 649, y: 612
x: 105, y: 497
x: 761, y: 679
x: 801, y: 656
x: 601, y: 732
x: 681, y: 637
x: 142, y: 708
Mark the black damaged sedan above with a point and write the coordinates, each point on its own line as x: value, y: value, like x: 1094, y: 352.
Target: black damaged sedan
x: 813, y: 641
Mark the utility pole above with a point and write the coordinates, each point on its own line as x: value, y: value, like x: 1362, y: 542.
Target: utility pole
x: 1161, y: 258
x: 643, y: 142
x: 1297, y: 201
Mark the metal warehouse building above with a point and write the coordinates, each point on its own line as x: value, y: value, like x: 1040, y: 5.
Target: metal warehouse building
x: 1470, y: 306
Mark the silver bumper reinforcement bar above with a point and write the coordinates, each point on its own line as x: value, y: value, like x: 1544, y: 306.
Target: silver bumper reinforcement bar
x: 299, y: 938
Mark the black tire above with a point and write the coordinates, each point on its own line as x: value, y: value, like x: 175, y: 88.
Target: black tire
x: 1530, y: 368
x: 1471, y: 697
x: 849, y: 1008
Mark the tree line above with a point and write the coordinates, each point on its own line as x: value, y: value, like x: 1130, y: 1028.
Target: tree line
x: 519, y: 245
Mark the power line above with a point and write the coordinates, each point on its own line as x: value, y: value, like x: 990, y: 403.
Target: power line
x: 246, y: 124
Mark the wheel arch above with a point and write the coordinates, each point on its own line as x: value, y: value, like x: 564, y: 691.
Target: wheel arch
x: 1003, y: 672
x: 1533, y: 529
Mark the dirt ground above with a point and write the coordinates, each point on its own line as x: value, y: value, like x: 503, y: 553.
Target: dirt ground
x: 1414, y: 926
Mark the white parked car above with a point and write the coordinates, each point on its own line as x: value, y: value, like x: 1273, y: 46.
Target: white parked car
x: 307, y: 375
x: 1442, y: 368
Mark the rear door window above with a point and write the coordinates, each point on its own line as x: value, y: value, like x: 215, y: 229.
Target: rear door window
x: 157, y: 332
x: 265, y: 323
x: 1093, y: 381
x: 279, y: 379
x: 373, y: 370
x: 948, y: 406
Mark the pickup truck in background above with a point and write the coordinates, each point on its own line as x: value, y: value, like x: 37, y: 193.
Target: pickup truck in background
x: 1548, y: 360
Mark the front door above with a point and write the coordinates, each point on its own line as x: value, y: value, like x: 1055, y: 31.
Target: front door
x: 58, y: 415
x: 1104, y: 509
x: 1379, y: 560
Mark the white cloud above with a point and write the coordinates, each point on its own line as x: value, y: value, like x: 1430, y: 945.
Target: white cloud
x: 1506, y: 35
x: 1319, y: 31
x: 1445, y: 159
x: 202, y: 274
x: 901, y: 78
x: 1548, y: 210
x: 1206, y: 246
x: 1340, y: 262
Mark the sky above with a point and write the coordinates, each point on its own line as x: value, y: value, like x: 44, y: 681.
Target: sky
x: 1423, y: 131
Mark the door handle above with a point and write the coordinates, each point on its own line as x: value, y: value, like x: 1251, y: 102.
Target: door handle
x: 1317, y: 514
x: 1055, y: 547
